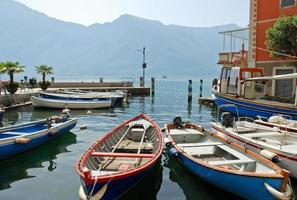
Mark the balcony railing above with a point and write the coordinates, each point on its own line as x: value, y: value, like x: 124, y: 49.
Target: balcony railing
x: 232, y: 58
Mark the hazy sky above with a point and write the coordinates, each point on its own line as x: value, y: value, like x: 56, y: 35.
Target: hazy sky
x: 181, y: 12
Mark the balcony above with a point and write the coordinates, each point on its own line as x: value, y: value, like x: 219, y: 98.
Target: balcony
x: 233, y: 58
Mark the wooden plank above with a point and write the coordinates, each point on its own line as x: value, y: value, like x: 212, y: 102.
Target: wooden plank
x: 199, y: 144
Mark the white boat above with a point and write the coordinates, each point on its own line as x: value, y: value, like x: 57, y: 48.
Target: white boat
x: 117, y: 95
x: 271, y: 142
x: 71, y: 104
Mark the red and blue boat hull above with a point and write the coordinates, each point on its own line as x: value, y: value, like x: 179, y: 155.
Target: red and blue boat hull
x: 117, y: 188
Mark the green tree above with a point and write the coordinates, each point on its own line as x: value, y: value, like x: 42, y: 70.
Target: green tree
x: 11, y: 68
x: 44, y: 70
x: 281, y: 39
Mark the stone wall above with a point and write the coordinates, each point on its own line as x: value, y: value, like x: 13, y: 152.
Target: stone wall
x: 12, y: 99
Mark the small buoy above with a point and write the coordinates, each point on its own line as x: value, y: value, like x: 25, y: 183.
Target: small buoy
x: 89, y: 112
x: 83, y: 127
x: 167, y: 142
x: 173, y: 152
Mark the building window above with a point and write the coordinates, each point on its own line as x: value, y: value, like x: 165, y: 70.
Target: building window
x: 287, y: 3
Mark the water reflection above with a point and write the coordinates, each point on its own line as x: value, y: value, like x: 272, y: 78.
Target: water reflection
x: 193, y: 187
x: 189, y: 109
x: 16, y: 168
x: 148, y: 187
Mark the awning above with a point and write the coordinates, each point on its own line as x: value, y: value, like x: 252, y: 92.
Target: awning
x: 277, y: 77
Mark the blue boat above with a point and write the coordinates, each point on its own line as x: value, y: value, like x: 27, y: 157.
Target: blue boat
x: 19, y: 138
x: 247, y: 89
x: 226, y: 164
x: 120, y: 159
x: 254, y: 108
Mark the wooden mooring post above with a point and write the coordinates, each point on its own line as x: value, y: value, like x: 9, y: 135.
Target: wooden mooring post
x: 190, y: 90
x: 201, y: 87
x: 153, y: 86
x: 141, y: 81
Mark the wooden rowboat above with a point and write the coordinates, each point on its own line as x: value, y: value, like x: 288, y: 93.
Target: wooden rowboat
x: 71, y: 104
x: 19, y: 138
x: 120, y: 159
x: 226, y: 164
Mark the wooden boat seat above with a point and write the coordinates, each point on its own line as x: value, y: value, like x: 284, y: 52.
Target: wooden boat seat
x: 130, y: 146
x: 241, y: 158
x: 230, y: 162
x: 186, y: 131
x: 199, y: 144
x: 123, y: 164
x: 136, y: 134
x: 102, y: 173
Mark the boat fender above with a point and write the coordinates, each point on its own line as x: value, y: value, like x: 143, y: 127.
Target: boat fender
x: 53, y: 133
x: 287, y: 195
x: 89, y: 112
x: 22, y: 140
x: 276, y: 120
x: 167, y: 142
x: 270, y: 155
x: 82, y: 194
x: 173, y: 152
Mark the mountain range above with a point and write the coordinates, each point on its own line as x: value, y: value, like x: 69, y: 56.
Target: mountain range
x: 108, y: 49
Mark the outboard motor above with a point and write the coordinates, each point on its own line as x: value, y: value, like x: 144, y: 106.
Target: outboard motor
x: 227, y: 119
x: 178, y: 123
x: 65, y: 115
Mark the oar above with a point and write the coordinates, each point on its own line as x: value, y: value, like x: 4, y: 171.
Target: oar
x: 102, y: 191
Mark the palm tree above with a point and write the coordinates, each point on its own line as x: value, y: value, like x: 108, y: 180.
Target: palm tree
x: 44, y: 70
x: 11, y: 68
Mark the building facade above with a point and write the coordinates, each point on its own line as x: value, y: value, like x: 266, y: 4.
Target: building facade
x: 263, y: 15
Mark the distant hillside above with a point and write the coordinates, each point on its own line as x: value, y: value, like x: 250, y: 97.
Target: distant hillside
x: 106, y: 49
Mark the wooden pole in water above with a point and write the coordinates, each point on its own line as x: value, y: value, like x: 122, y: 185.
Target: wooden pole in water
x: 153, y: 86
x: 141, y: 82
x: 190, y: 91
x: 201, y: 87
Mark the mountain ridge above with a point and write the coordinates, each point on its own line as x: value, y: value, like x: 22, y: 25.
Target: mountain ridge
x: 110, y: 48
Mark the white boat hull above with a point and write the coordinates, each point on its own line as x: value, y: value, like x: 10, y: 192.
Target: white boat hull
x: 60, y: 104
x: 288, y: 161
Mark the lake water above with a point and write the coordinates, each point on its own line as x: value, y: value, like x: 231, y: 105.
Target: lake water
x: 48, y: 172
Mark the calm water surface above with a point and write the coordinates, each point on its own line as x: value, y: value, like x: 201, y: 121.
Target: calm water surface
x: 48, y: 172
